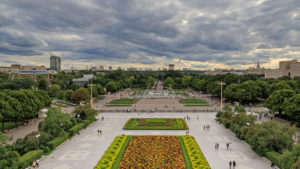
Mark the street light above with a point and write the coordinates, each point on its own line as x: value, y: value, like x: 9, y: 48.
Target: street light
x: 221, y: 83
x: 37, y: 137
x: 91, y: 85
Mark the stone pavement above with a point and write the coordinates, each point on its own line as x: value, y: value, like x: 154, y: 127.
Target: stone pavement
x: 84, y: 150
x: 22, y: 131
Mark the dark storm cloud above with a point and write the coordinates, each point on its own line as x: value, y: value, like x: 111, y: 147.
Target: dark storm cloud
x: 140, y: 31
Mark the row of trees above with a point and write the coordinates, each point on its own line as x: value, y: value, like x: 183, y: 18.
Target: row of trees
x: 21, y: 105
x: 280, y: 95
x: 57, y: 126
x: 267, y: 139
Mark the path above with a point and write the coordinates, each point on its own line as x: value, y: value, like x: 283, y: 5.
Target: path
x: 22, y: 131
x: 83, y: 151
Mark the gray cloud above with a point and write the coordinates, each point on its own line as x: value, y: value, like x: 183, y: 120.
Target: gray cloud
x: 141, y: 32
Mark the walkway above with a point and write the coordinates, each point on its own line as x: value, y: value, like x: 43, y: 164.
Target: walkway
x: 83, y: 151
x: 22, y: 131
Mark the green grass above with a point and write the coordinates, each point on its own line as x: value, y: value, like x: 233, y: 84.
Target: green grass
x: 9, y: 125
x: 155, y: 121
x: 120, y: 155
x: 118, y: 105
x: 123, y: 101
x: 196, y: 105
x: 185, y: 154
x: 192, y: 101
x: 158, y: 124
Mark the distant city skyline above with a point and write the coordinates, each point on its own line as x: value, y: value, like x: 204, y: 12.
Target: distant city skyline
x: 193, y: 34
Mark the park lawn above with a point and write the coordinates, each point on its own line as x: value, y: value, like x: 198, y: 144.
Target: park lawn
x: 180, y: 152
x: 123, y: 101
x: 9, y: 125
x: 192, y: 101
x: 155, y: 124
x: 196, y: 105
x: 118, y: 105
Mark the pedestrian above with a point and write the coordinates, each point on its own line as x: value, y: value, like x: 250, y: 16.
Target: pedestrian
x: 230, y: 163
x: 272, y: 165
x: 100, y: 132
x: 227, y: 145
x: 102, y: 118
x: 37, y: 163
x: 217, y: 146
x: 204, y: 127
x: 233, y: 164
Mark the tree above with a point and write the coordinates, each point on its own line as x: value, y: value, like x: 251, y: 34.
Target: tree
x: 276, y: 99
x: 100, y: 89
x: 42, y: 83
x: 68, y: 94
x: 186, y: 81
x: 85, y: 112
x: 5, y: 111
x: 54, y: 89
x: 292, y: 108
x: 8, y: 159
x: 169, y: 82
x: 56, y: 123
x: 240, y: 109
x: 61, y: 95
x: 112, y: 86
x: 278, y: 86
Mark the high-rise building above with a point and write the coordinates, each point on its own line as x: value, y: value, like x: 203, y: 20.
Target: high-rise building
x: 55, y: 63
x: 171, y: 66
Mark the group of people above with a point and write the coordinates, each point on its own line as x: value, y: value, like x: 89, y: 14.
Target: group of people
x: 232, y: 164
x: 206, y: 127
x: 35, y: 164
x: 187, y: 117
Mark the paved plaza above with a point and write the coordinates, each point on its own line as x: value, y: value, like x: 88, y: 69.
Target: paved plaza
x: 83, y: 151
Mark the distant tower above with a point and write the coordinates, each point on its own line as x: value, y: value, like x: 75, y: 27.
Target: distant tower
x: 55, y: 63
x: 258, y: 66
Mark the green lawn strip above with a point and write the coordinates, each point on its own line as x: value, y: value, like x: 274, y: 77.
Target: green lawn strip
x: 185, y: 154
x: 118, y: 105
x: 120, y: 155
x: 196, y: 105
x: 132, y: 124
x: 10, y: 125
x: 192, y: 101
x: 123, y: 101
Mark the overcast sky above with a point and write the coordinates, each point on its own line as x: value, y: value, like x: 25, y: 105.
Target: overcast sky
x: 197, y: 34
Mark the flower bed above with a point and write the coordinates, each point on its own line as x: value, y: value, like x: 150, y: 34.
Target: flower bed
x: 111, y: 154
x: 155, y: 124
x: 180, y: 152
x: 196, y: 157
x: 153, y: 152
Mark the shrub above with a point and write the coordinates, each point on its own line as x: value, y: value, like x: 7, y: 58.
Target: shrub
x: 29, y: 157
x: 274, y: 157
x: 76, y: 128
x: 57, y: 141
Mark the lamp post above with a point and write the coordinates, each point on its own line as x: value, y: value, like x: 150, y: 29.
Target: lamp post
x: 37, y: 137
x: 91, y: 85
x: 221, y: 84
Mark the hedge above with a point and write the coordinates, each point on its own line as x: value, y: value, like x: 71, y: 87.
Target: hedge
x: 274, y: 157
x: 29, y: 157
x: 76, y: 128
x: 57, y: 141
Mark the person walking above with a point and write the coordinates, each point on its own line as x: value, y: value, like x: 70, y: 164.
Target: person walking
x: 37, y: 163
x: 217, y: 146
x: 100, y: 132
x: 227, y: 145
x: 233, y: 164
x: 204, y: 127
x: 230, y: 163
x: 272, y: 165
